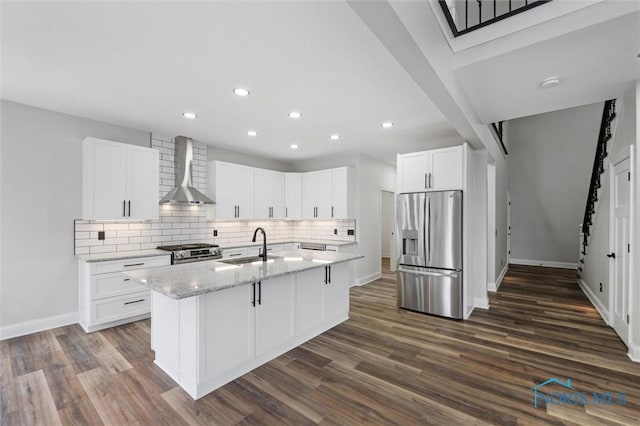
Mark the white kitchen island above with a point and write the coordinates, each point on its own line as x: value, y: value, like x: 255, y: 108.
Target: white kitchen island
x: 212, y: 322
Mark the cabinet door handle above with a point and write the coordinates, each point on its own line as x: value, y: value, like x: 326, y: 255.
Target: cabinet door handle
x: 124, y: 208
x: 238, y: 211
x: 331, y: 211
x: 253, y: 300
x: 286, y: 212
x: 426, y: 181
x: 133, y: 264
x: 127, y: 279
x: 326, y: 275
x: 430, y: 181
x: 234, y: 254
x: 134, y: 301
x: 329, y: 268
x: 259, y: 292
x: 129, y: 208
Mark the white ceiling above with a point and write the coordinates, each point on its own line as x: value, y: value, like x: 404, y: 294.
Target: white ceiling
x: 596, y: 63
x: 143, y: 64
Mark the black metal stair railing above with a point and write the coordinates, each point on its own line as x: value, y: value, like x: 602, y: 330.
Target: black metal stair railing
x: 468, y: 15
x: 608, y: 114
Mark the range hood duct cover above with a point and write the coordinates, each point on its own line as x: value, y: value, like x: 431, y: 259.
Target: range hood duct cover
x: 184, y: 192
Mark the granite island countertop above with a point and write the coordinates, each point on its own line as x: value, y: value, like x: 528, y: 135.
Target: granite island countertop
x: 192, y: 279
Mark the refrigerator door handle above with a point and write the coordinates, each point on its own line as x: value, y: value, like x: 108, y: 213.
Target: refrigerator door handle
x: 428, y: 253
x: 452, y: 274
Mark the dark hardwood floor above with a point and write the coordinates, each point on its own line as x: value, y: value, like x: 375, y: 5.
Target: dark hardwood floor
x: 382, y: 366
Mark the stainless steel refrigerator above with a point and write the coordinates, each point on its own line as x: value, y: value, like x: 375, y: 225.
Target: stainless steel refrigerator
x: 430, y: 252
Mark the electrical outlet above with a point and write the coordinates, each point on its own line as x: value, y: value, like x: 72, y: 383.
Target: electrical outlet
x: 351, y: 232
x: 101, y: 235
x: 215, y: 232
x: 335, y: 231
x: 600, y: 287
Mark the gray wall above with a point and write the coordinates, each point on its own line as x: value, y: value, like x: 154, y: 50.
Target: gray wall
x: 596, y: 267
x: 41, y: 196
x: 550, y: 161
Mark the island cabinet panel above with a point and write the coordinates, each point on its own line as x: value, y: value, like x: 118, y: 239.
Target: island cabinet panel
x: 275, y: 313
x: 229, y: 324
x: 309, y: 300
x: 336, y: 292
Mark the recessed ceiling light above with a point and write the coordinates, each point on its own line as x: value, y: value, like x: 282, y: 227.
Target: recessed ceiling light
x: 293, y: 146
x: 295, y: 114
x: 241, y: 92
x: 189, y: 115
x: 335, y: 137
x: 251, y: 133
x: 550, y: 82
x: 387, y: 125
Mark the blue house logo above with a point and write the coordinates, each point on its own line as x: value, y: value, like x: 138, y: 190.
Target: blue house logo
x: 570, y: 396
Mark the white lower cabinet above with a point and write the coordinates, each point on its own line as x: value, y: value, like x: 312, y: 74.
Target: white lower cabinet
x: 206, y: 341
x: 107, y: 298
x: 275, y: 316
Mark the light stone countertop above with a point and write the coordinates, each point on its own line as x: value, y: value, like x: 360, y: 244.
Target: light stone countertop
x: 103, y: 257
x: 192, y: 279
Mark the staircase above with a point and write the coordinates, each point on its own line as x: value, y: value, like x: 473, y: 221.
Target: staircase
x: 608, y: 115
x: 464, y: 16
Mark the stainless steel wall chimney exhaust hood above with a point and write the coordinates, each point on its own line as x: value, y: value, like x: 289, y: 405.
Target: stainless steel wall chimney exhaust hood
x: 184, y: 192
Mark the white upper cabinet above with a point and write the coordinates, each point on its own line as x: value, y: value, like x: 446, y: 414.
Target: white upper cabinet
x: 293, y: 196
x: 317, y: 194
x: 120, y: 181
x: 232, y: 188
x: 243, y: 192
x: 269, y: 190
x: 435, y: 170
x: 343, y: 193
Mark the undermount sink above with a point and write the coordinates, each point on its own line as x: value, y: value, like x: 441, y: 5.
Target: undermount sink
x: 244, y: 260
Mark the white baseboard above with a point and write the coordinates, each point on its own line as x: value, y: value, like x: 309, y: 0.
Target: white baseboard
x: 367, y: 279
x: 34, y: 326
x: 495, y: 286
x: 602, y: 310
x: 546, y: 263
x: 634, y: 352
x: 481, y: 302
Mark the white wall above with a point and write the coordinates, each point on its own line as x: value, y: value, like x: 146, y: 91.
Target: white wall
x: 220, y: 154
x: 550, y: 161
x: 596, y: 267
x: 41, y: 196
x: 386, y: 225
x: 372, y: 176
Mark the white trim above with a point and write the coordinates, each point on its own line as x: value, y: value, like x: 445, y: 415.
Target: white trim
x: 546, y: 263
x: 602, y: 310
x: 495, y: 286
x: 468, y: 313
x: 634, y: 352
x: 34, y: 326
x: 481, y: 302
x: 366, y: 279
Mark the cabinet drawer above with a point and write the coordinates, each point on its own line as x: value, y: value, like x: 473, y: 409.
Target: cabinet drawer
x: 253, y: 251
x: 129, y: 264
x: 113, y: 284
x: 227, y: 253
x: 120, y: 307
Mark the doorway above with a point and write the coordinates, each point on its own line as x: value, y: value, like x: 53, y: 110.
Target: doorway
x: 620, y: 244
x: 388, y: 230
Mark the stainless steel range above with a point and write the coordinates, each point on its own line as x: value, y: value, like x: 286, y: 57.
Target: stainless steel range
x: 185, y: 253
